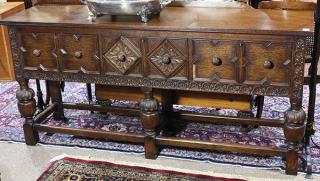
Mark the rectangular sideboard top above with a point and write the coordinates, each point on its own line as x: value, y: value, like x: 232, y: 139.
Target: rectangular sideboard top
x: 235, y: 20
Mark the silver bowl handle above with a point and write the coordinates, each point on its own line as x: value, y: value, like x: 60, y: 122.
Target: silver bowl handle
x: 83, y: 1
x: 164, y: 3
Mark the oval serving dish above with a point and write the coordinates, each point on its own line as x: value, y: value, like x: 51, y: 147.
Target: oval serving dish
x: 142, y: 8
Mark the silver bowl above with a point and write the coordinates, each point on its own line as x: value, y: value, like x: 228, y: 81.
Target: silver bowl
x: 142, y: 8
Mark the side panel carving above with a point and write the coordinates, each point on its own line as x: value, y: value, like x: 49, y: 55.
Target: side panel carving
x: 297, y: 75
x: 15, y: 52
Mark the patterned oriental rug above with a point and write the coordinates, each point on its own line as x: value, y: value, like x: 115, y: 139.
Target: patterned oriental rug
x: 68, y: 169
x: 11, y: 129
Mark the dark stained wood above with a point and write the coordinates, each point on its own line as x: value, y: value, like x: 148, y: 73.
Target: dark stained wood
x: 297, y: 6
x: 51, y: 2
x: 115, y: 136
x: 214, y: 146
x: 204, y: 118
x: 209, y: 3
x: 307, y: 77
x: 294, y: 127
x: 185, y: 51
x: 259, y: 103
x: 45, y: 113
x: 211, y: 62
x: 150, y: 119
x: 101, y: 108
x: 182, y: 19
x: 271, y: 68
x: 294, y: 131
x: 79, y: 53
x: 287, y: 5
x: 37, y: 51
x: 27, y: 108
x: 89, y: 92
x: 55, y: 93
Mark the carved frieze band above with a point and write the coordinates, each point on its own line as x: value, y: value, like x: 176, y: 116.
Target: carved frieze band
x: 298, y: 75
x: 217, y: 87
x: 15, y: 52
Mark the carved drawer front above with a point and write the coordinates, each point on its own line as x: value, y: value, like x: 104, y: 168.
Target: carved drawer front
x: 80, y: 54
x: 122, y: 55
x: 167, y: 58
x: 267, y: 63
x: 38, y: 51
x: 215, y: 60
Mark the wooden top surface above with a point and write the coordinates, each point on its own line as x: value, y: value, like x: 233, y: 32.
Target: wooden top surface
x: 9, y: 8
x: 177, y: 19
x: 209, y: 3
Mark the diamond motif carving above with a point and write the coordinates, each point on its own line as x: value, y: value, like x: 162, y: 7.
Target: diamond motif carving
x: 166, y: 58
x: 123, y: 55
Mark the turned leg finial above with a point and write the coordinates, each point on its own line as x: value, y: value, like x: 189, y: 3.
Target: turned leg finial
x: 294, y: 130
x: 150, y: 117
x: 27, y: 108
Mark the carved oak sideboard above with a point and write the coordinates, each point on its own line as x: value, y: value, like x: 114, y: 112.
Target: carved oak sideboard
x: 229, y: 51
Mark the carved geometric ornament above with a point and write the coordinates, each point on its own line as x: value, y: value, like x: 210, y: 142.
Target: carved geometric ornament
x: 123, y: 55
x: 166, y: 58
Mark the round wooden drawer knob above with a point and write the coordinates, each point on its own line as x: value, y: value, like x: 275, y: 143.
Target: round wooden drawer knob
x: 166, y: 60
x: 78, y: 54
x: 122, y: 58
x: 36, y: 52
x: 268, y: 64
x: 216, y: 61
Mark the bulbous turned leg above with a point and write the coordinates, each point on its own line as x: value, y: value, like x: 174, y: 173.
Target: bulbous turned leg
x: 27, y: 108
x: 150, y: 117
x: 294, y: 131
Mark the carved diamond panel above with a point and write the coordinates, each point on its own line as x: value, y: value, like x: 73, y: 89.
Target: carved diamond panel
x: 123, y: 55
x: 167, y: 59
